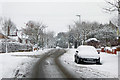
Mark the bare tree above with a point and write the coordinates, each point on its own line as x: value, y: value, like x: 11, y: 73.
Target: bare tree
x: 114, y: 6
x: 9, y: 27
x: 82, y: 30
x: 50, y: 39
x: 35, y: 32
x: 62, y: 40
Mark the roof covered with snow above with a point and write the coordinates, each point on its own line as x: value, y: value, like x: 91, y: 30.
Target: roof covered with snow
x: 92, y: 39
x: 14, y: 37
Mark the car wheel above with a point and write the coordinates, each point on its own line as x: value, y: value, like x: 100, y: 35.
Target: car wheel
x: 81, y: 61
x: 75, y: 60
x: 78, y: 61
x: 98, y: 61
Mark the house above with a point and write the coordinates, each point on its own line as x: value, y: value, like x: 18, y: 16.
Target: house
x: 25, y: 41
x: 2, y: 36
x: 14, y: 39
x: 23, y: 37
x: 12, y: 35
x: 93, y: 42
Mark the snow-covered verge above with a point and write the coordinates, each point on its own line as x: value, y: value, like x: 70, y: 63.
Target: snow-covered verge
x: 19, y: 64
x: 108, y: 68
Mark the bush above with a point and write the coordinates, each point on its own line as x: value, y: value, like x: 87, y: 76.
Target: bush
x: 14, y: 47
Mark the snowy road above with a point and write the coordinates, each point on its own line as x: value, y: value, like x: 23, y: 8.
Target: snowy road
x: 49, y: 67
x: 55, y: 63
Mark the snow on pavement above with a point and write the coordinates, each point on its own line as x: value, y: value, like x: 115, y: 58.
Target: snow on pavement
x: 108, y: 69
x: 18, y: 64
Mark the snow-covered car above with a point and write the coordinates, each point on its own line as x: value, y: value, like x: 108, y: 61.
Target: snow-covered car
x: 87, y: 54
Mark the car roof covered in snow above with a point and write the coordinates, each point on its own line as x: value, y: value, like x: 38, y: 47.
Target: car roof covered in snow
x: 86, y: 49
x: 86, y: 46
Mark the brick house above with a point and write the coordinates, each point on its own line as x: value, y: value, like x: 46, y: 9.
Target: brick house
x: 2, y: 36
x: 93, y: 42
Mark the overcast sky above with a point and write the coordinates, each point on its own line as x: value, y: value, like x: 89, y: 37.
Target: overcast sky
x: 57, y: 14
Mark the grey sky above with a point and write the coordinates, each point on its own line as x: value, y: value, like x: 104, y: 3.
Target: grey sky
x: 56, y: 15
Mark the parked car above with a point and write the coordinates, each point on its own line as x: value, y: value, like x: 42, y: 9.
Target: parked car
x: 87, y: 54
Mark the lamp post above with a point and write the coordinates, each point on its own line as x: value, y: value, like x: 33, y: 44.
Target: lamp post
x: 79, y: 16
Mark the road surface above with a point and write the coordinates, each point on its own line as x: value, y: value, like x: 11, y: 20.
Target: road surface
x: 49, y: 66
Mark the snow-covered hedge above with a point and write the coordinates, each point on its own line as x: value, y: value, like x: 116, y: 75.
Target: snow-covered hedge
x: 14, y: 47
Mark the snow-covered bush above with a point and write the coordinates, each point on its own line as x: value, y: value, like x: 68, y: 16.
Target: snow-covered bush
x: 14, y: 47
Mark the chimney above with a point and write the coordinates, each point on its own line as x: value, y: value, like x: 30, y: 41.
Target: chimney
x: 16, y: 31
x: 8, y: 31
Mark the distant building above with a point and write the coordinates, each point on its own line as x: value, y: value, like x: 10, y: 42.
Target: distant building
x: 2, y: 36
x: 93, y: 42
x: 14, y: 42
x: 25, y: 41
x: 24, y: 38
x: 15, y: 35
x: 14, y: 39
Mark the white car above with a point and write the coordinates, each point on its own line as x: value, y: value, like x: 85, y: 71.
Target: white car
x: 87, y: 54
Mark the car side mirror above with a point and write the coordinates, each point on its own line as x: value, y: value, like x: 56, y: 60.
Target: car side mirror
x: 76, y: 51
x: 98, y: 52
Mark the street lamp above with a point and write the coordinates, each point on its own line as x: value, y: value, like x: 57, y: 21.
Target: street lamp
x: 79, y: 17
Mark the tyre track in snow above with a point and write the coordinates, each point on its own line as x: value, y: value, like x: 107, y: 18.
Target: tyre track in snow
x: 36, y: 68
x: 50, y: 67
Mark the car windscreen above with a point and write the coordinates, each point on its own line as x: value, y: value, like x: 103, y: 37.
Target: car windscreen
x: 87, y: 50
